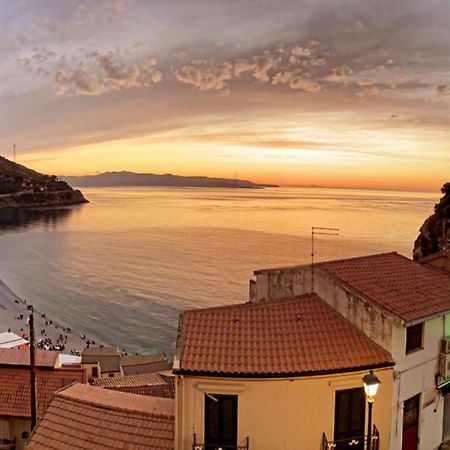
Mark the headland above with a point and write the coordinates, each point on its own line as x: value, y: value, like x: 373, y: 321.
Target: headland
x: 21, y: 187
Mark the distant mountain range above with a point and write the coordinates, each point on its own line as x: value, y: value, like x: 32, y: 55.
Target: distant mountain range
x: 165, y: 180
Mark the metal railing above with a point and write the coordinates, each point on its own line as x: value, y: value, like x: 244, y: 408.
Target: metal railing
x: 353, y: 443
x: 198, y: 446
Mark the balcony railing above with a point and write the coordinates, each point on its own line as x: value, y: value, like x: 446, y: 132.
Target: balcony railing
x: 353, y: 443
x: 198, y: 446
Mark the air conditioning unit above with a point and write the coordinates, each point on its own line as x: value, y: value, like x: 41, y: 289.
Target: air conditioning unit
x: 445, y: 345
x: 444, y: 365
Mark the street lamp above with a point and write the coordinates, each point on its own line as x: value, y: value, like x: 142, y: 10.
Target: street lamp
x: 371, y: 383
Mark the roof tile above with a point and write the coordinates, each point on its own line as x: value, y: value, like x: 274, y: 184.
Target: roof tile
x: 21, y: 357
x: 296, y: 336
x: 15, y: 388
x: 400, y: 285
x: 92, y: 418
x: 143, y: 384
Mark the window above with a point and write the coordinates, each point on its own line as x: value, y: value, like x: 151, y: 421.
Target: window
x: 95, y: 372
x: 220, y: 421
x: 349, y: 415
x: 414, y: 336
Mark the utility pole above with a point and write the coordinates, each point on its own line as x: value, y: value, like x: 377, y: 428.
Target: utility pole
x: 32, y: 370
x: 314, y: 231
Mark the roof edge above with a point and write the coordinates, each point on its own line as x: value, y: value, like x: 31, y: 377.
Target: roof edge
x: 180, y: 341
x: 304, y: 374
x: 61, y: 395
x: 299, y: 266
x: 383, y: 307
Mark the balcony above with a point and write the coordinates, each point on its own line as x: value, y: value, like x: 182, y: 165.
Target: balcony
x: 198, y: 446
x: 353, y: 443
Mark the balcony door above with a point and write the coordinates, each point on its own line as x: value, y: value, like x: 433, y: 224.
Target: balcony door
x: 349, y: 416
x: 221, y: 415
x: 411, y: 408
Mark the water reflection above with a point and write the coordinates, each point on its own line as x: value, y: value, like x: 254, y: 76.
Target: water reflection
x: 12, y: 219
x: 121, y: 268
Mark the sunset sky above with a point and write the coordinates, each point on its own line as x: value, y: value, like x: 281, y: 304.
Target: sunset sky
x: 324, y: 92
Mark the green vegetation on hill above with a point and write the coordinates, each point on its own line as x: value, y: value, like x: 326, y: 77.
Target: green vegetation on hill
x: 23, y: 187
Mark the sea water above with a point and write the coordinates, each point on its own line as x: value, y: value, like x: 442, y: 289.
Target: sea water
x: 122, y: 267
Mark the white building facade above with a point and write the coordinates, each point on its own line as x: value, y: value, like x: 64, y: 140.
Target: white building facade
x: 402, y: 306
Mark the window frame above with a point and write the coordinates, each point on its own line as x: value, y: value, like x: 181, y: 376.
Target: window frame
x: 213, y: 400
x: 412, y: 333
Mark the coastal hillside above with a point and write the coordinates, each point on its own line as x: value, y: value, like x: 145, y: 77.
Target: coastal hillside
x: 23, y: 187
x: 150, y: 179
x: 434, y: 234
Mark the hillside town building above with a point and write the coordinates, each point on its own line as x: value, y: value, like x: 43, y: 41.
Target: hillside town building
x: 91, y: 418
x: 291, y: 369
x: 404, y: 307
x: 107, y: 362
x: 284, y: 374
x: 15, y: 410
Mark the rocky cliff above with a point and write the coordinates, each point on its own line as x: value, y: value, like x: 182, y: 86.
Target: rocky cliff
x: 22, y: 187
x: 434, y: 234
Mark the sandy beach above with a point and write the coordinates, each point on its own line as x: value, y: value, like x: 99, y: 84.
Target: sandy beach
x: 14, y: 314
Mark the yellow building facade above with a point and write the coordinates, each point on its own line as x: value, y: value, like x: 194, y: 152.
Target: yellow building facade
x: 280, y: 414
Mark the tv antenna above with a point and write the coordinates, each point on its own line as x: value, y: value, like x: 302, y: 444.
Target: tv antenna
x: 314, y: 231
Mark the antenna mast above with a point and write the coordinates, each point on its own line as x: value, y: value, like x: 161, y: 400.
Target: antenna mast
x: 314, y: 231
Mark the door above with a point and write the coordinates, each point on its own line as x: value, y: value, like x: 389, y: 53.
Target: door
x: 411, y: 409
x: 446, y: 427
x: 221, y: 421
x: 349, y: 417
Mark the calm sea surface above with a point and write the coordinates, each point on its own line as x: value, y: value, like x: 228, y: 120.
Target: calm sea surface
x: 122, y: 267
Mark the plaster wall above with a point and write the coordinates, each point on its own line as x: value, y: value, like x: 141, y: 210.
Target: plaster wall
x: 88, y: 367
x: 16, y: 427
x: 414, y: 374
x: 281, y: 414
x: 373, y: 321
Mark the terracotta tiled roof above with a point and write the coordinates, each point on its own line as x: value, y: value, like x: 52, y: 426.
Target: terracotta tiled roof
x: 298, y: 336
x: 91, y: 418
x: 142, y: 384
x: 146, y: 379
x: 400, y: 285
x: 21, y: 357
x: 15, y: 388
